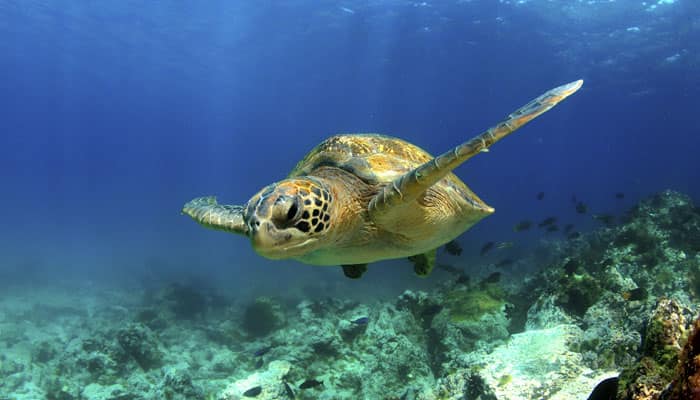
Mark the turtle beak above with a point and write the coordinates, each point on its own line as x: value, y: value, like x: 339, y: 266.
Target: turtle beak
x: 267, y: 240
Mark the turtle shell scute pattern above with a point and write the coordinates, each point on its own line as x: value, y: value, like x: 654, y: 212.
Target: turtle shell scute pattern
x: 371, y: 157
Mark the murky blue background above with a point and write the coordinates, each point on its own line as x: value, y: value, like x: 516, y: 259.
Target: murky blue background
x: 115, y: 113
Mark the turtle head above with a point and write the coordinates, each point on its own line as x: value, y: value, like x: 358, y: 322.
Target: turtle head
x: 289, y: 218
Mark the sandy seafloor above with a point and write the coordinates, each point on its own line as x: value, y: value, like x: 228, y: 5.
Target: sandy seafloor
x: 584, y: 314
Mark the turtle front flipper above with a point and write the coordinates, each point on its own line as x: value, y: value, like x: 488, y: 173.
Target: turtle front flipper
x: 211, y: 214
x: 387, y: 203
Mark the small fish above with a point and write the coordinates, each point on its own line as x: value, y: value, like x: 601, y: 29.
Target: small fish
x: 347, y: 10
x: 504, y: 245
x: 522, y: 226
x: 606, y: 219
x: 288, y: 390
x: 453, y: 248
x: 253, y: 392
x: 450, y: 268
x: 547, y: 221
x: 262, y: 351
x: 581, y: 208
x: 259, y: 363
x: 573, y: 235
x: 540, y: 195
x: 486, y: 248
x: 552, y: 228
x: 573, y: 198
x: 504, y: 263
x: 568, y: 228
x: 463, y: 279
x: 492, y: 278
x: 635, y: 294
x: 310, y: 383
x: 360, y: 321
x: 619, y: 195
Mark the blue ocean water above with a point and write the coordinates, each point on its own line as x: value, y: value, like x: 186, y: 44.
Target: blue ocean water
x: 115, y: 113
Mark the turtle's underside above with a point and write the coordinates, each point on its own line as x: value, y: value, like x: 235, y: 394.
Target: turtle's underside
x: 360, y: 198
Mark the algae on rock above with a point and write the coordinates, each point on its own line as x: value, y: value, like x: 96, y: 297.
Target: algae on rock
x: 262, y: 317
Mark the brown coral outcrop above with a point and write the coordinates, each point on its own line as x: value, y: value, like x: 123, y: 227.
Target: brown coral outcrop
x: 686, y: 384
x: 662, y: 345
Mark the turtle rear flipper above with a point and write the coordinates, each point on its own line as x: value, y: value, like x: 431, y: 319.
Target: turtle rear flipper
x: 424, y: 263
x: 354, y: 271
x: 403, y: 191
x: 211, y: 214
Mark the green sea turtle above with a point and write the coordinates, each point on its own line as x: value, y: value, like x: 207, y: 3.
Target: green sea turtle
x: 360, y: 198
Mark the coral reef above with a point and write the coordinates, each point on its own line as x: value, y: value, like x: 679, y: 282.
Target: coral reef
x: 665, y: 371
x: 466, y: 304
x: 662, y: 344
x: 515, y: 369
x: 139, y: 342
x: 271, y: 383
x: 610, y: 301
x: 262, y: 317
x: 686, y: 382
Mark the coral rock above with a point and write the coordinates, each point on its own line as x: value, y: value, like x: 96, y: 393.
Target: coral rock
x: 262, y: 317
x: 660, y: 350
x: 141, y: 344
x: 686, y: 384
x: 270, y: 381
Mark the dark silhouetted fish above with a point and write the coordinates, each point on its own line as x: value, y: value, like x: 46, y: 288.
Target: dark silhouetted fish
x: 462, y: 279
x: 262, y: 351
x: 310, y: 383
x: 288, y: 390
x: 619, y: 195
x: 253, y: 392
x: 581, y: 208
x: 486, y: 248
x: 504, y: 263
x: 547, y: 221
x: 540, y: 195
x: 504, y: 245
x: 259, y: 363
x: 522, y: 226
x: 635, y: 294
x: 568, y: 228
x: 605, y: 390
x: 494, y: 277
x: 360, y: 321
x: 453, y: 248
x: 573, y: 198
x: 573, y: 235
x: 606, y: 219
x: 450, y: 268
x: 552, y: 228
